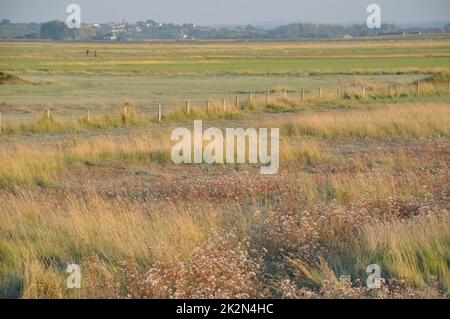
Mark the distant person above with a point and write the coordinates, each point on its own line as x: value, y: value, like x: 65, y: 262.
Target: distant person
x: 87, y: 52
x: 95, y: 53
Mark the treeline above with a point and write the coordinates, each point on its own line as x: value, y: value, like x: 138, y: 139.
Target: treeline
x: 152, y: 30
x: 53, y: 30
x: 148, y: 30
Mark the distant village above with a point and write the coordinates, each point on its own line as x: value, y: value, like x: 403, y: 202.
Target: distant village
x: 147, y: 30
x: 152, y: 30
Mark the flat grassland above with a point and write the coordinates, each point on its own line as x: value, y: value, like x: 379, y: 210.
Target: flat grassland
x: 86, y: 175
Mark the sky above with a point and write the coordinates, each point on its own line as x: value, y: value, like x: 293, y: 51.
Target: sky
x: 228, y: 12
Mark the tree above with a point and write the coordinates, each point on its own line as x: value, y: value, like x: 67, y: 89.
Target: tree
x: 447, y: 28
x: 55, y: 30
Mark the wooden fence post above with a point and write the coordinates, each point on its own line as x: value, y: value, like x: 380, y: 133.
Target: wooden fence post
x: 390, y: 90
x: 124, y: 114
x: 208, y: 106
x: 448, y: 87
x: 285, y: 94
x: 47, y: 114
x: 267, y: 98
x: 320, y: 92
x: 0, y: 122
x: 338, y: 92
x: 88, y: 116
x: 188, y: 107
x: 250, y: 98
x: 223, y: 105
x: 364, y: 91
x: 237, y: 102
x: 159, y: 113
x: 302, y: 95
x: 418, y: 87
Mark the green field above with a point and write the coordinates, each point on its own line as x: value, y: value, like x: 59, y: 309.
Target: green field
x: 228, y: 58
x: 170, y: 73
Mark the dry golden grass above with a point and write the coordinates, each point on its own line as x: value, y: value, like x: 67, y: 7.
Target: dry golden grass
x: 30, y: 165
x: 36, y: 165
x: 350, y: 96
x: 415, y: 251
x: 391, y: 122
x: 355, y: 187
x: 364, y: 178
x: 41, y: 233
x: 38, y: 232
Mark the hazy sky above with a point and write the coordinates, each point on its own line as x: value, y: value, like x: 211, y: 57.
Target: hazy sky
x: 213, y: 12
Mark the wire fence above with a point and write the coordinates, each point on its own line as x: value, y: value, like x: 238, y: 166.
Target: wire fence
x: 241, y: 102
